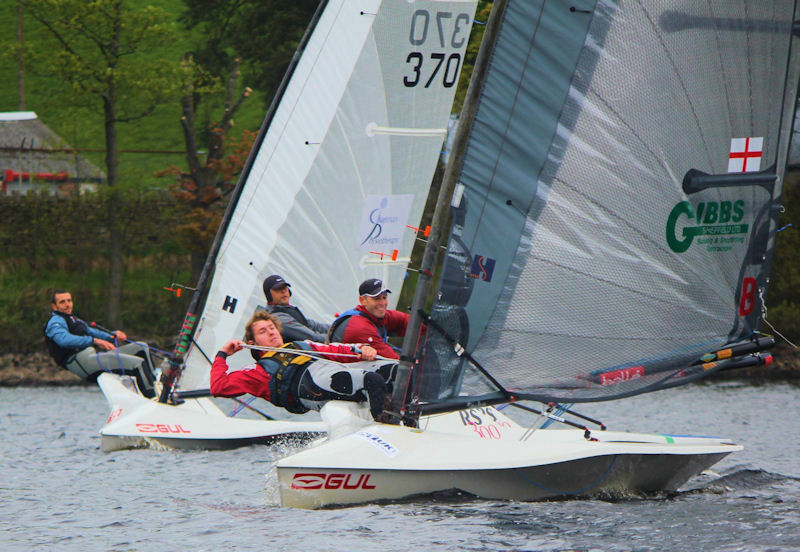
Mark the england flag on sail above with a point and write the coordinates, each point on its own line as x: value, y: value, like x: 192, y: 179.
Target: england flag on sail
x: 745, y: 155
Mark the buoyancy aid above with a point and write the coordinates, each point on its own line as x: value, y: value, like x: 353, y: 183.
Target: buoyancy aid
x: 337, y: 337
x: 333, y: 337
x: 294, y: 312
x: 75, y: 326
x: 285, y: 369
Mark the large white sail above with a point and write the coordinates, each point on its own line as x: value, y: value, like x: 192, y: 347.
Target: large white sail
x: 341, y: 168
x: 620, y: 191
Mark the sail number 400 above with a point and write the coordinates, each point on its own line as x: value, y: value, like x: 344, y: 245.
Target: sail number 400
x: 426, y: 71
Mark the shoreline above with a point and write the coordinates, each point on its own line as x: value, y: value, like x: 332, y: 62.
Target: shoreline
x: 35, y: 370
x: 38, y: 369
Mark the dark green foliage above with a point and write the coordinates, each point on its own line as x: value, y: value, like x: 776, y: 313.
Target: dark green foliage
x: 783, y: 301
x: 263, y: 34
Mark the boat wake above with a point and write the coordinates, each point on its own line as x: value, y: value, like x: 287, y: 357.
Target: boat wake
x: 742, y: 479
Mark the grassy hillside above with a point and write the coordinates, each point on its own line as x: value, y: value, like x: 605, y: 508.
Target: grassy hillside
x: 83, y: 128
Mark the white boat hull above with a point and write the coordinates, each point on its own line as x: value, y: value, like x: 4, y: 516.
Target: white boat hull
x: 136, y: 422
x: 481, y: 453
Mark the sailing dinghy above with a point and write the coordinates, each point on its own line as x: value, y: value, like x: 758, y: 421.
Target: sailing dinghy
x: 616, y: 181
x: 340, y: 168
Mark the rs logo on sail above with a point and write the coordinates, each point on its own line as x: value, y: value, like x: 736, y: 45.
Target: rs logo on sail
x: 713, y: 219
x: 311, y: 481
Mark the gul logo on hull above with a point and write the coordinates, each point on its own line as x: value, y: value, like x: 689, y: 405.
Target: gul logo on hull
x: 347, y: 481
x: 161, y: 428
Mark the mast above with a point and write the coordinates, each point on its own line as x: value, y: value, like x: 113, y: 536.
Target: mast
x: 173, y: 373
x: 438, y: 234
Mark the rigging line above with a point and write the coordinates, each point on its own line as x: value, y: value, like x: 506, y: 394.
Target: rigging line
x: 558, y: 412
x: 764, y: 317
x: 780, y: 334
x: 568, y: 409
x: 547, y: 419
x: 241, y: 405
x: 461, y: 351
x: 316, y: 354
x: 140, y: 343
x: 246, y: 404
x: 548, y: 414
x: 530, y: 430
x: 202, y: 352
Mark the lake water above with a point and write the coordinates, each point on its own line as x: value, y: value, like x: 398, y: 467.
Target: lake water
x: 60, y: 492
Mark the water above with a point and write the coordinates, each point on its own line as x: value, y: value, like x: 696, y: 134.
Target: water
x: 60, y: 492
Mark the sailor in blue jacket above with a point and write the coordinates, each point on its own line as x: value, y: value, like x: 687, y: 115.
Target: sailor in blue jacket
x: 74, y: 345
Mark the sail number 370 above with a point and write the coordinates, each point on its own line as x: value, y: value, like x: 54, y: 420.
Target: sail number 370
x: 439, y: 65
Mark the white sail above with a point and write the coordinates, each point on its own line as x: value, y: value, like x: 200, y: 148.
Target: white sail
x: 342, y: 167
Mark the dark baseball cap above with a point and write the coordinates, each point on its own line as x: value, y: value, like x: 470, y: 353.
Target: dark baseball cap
x: 274, y: 282
x: 372, y: 288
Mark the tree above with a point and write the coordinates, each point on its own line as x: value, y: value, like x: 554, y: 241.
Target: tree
x: 783, y: 298
x: 211, y: 177
x: 102, y: 52
x: 263, y: 34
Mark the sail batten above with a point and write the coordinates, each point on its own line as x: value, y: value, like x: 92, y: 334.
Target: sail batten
x: 620, y: 186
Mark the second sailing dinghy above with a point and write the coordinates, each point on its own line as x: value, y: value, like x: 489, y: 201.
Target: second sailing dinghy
x: 342, y: 164
x: 617, y: 176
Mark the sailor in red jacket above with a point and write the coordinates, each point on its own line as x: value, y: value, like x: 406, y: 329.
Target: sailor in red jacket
x: 296, y: 381
x: 371, y: 321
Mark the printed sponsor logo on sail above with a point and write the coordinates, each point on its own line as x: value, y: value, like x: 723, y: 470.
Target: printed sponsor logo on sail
x: 620, y: 376
x: 346, y: 481
x: 745, y: 155
x: 717, y: 225
x: 482, y: 268
x: 379, y: 443
x: 383, y: 221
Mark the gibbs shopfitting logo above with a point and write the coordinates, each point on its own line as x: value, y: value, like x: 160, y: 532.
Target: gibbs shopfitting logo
x: 717, y: 225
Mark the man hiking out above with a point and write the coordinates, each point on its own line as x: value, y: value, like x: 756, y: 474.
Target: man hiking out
x: 294, y: 375
x: 87, y: 352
